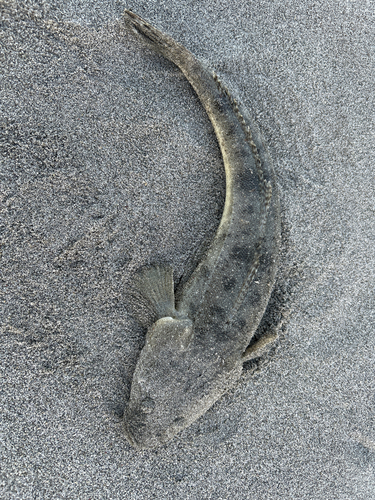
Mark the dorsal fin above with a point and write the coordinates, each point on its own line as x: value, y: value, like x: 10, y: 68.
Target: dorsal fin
x: 155, y: 284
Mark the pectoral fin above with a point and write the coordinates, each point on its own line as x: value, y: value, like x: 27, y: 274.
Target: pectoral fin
x: 155, y: 284
x: 260, y: 347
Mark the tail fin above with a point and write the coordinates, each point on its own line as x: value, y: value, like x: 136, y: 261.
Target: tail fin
x: 155, y: 284
x: 156, y: 39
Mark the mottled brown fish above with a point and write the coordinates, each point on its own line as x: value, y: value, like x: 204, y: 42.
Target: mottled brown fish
x: 195, y: 350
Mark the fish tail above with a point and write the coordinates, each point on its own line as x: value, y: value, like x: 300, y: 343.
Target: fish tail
x: 159, y: 41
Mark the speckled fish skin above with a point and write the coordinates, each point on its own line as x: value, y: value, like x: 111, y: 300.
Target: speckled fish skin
x: 194, y: 352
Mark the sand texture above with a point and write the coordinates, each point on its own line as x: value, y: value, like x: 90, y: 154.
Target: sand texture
x: 108, y: 162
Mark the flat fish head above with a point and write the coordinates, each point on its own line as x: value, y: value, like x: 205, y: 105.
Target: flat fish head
x: 155, y: 411
x: 173, y: 384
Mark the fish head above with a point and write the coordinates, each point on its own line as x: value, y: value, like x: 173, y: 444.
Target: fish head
x: 173, y: 384
x: 154, y: 413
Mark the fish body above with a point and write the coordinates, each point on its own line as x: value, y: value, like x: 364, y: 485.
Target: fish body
x: 195, y: 350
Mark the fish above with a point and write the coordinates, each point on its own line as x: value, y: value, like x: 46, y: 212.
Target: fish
x: 195, y: 349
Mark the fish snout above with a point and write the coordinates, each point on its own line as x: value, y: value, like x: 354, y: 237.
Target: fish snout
x: 141, y: 429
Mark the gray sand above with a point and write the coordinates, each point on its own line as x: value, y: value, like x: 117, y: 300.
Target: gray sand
x: 108, y: 162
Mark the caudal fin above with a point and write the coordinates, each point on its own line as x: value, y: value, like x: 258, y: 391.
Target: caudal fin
x: 156, y: 39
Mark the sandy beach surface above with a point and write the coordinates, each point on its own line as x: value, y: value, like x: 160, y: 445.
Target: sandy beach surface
x: 108, y: 162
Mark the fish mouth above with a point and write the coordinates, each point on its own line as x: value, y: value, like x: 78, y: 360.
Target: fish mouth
x: 133, y: 428
x: 136, y: 438
x: 137, y: 444
x: 131, y: 440
x: 142, y: 440
x: 143, y: 437
x: 140, y: 435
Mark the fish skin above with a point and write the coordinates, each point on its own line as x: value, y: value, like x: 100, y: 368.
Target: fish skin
x: 195, y: 350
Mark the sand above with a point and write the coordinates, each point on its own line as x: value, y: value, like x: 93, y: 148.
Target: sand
x: 108, y: 162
